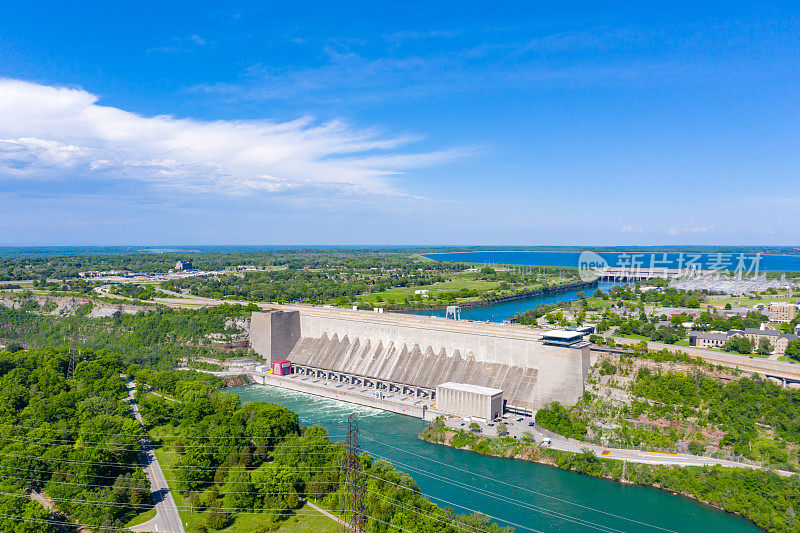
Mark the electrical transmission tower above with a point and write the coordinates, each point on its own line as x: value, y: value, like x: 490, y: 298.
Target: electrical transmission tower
x: 71, y: 367
x: 73, y: 358
x: 353, y: 508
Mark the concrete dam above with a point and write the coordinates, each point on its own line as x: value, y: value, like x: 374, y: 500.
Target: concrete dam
x: 414, y: 354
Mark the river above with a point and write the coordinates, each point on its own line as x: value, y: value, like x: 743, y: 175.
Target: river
x: 767, y: 263
x: 499, y: 312
x: 529, y: 496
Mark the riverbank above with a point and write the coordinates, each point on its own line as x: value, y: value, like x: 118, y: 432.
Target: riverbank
x: 527, y: 495
x: 732, y: 490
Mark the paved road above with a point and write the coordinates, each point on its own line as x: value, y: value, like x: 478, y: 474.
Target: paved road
x: 167, y: 518
x: 517, y: 429
x: 326, y: 513
x: 746, y: 363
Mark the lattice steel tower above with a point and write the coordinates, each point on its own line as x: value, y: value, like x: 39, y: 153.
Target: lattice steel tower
x: 354, y: 512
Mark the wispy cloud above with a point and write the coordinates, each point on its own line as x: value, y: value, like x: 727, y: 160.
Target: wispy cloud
x: 360, y: 71
x: 179, y: 45
x: 56, y: 133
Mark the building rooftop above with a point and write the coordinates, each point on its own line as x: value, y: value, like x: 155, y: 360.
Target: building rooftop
x: 754, y: 331
x: 710, y: 335
x: 563, y: 335
x: 467, y: 387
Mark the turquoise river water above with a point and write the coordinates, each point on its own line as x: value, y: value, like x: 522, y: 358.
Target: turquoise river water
x: 526, y: 495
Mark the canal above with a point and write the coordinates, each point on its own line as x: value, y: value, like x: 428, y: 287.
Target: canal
x: 529, y: 496
x: 499, y: 312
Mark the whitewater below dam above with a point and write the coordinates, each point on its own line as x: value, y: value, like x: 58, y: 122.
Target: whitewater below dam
x: 528, y: 496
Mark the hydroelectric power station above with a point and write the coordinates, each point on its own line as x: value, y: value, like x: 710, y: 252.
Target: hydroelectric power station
x: 408, y: 356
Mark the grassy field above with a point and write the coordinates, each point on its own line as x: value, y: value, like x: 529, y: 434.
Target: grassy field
x: 142, y: 518
x: 598, y: 303
x: 313, y: 522
x: 458, y: 281
x: 306, y: 519
x: 455, y: 282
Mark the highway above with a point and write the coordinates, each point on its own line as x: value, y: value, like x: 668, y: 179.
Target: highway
x: 767, y: 367
x: 167, y: 519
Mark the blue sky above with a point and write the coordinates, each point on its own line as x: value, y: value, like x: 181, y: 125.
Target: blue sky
x: 399, y: 123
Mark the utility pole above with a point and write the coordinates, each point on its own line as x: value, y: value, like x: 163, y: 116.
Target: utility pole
x: 353, y: 508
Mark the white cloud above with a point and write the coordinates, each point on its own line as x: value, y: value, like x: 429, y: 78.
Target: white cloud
x: 697, y: 229
x: 630, y: 229
x: 56, y: 133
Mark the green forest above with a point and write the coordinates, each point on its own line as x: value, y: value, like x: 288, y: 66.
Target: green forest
x: 73, y: 439
x: 159, y: 337
x: 234, y: 459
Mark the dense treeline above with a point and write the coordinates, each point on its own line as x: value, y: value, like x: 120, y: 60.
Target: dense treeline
x: 160, y: 336
x: 738, y: 408
x: 73, y: 439
x: 318, y: 281
x: 41, y: 267
x: 234, y: 458
x: 754, y: 417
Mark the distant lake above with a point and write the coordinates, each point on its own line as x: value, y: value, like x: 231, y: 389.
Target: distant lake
x: 768, y: 263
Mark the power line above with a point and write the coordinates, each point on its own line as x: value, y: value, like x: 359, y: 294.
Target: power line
x: 457, y: 505
x: 538, y: 493
x: 132, y: 447
x: 139, y: 435
x: 547, y: 512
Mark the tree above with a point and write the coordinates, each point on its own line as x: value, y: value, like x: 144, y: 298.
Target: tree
x: 696, y: 448
x: 728, y: 306
x: 238, y: 490
x: 475, y: 427
x: 764, y: 346
x: 502, y: 429
x: 739, y: 344
x: 793, y: 350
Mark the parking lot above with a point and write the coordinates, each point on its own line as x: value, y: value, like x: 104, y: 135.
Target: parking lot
x: 517, y: 425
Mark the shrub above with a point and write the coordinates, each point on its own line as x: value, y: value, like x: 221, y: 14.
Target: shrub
x: 217, y: 519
